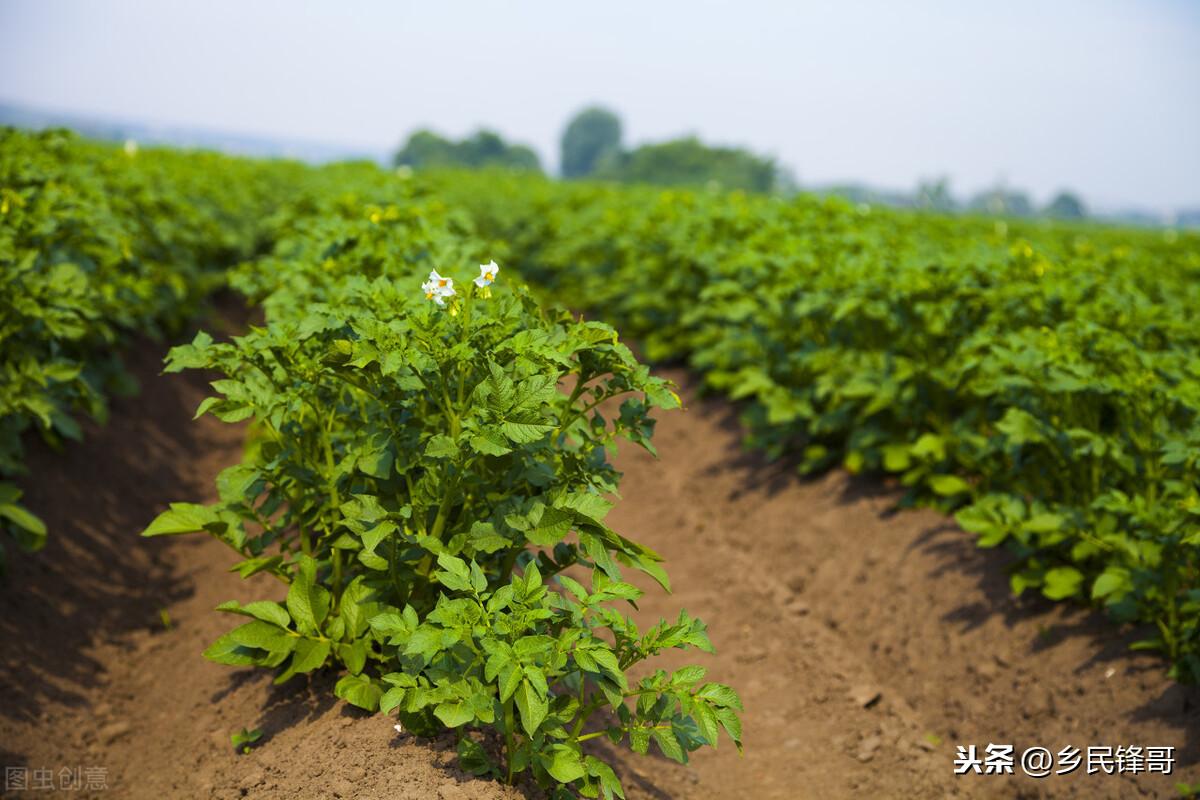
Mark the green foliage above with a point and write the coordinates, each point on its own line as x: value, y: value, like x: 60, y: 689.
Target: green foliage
x: 591, y: 147
x: 591, y: 139
x: 98, y: 246
x: 689, y: 162
x: 422, y: 463
x: 244, y: 740
x: 1002, y: 202
x: 1066, y: 205
x: 1042, y: 381
x: 484, y: 148
x: 935, y: 196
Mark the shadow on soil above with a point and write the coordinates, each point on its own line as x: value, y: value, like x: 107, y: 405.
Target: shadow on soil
x: 1176, y: 706
x: 96, y: 579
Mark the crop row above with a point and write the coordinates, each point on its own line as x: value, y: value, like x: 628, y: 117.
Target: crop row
x: 1041, y: 379
x: 99, y: 245
x: 428, y: 464
x: 428, y: 459
x: 423, y: 460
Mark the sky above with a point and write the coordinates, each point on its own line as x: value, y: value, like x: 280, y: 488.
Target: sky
x: 1097, y: 96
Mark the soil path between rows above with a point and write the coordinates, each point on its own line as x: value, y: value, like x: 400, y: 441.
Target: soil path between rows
x: 865, y: 643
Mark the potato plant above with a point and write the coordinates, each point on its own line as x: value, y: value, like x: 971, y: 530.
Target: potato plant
x: 1041, y: 380
x: 97, y: 247
x: 422, y: 463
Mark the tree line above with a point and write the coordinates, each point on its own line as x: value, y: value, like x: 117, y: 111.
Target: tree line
x: 592, y: 147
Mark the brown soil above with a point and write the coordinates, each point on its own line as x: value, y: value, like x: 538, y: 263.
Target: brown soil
x: 821, y: 597
x: 818, y: 597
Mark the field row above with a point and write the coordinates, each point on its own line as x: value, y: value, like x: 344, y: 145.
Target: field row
x: 430, y: 443
x: 97, y: 246
x: 1043, y: 380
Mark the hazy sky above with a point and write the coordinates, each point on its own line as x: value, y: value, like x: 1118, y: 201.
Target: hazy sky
x: 1099, y: 96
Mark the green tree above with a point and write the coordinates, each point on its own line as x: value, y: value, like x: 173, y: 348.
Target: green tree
x: 1066, y: 205
x: 690, y: 162
x: 487, y: 148
x: 425, y: 148
x: 484, y: 148
x: 935, y: 195
x: 592, y: 138
x: 1002, y: 202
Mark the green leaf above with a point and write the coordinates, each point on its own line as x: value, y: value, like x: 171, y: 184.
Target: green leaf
x: 264, y: 636
x: 454, y: 713
x: 608, y: 779
x: 353, y: 655
x: 484, y: 539
x: 181, y: 518
x: 510, y: 680
x: 360, y: 691
x: 425, y: 642
x: 244, y: 737
x: 1044, y: 523
x: 720, y: 695
x: 706, y: 721
x: 1062, y: 582
x: 238, y: 483
x: 376, y: 463
x: 478, y: 579
x: 27, y: 522
x: 227, y: 651
x: 264, y: 610
x: 574, y: 587
x: 532, y: 579
x: 307, y: 602
x: 524, y: 432
x: 533, y: 707
x: 392, y: 698
x: 895, y: 457
x: 392, y: 627
x: 669, y: 744
x: 732, y: 725
x: 253, y: 566
x: 589, y: 505
x: 947, y: 485
x: 356, y: 608
x: 688, y: 676
x: 309, y: 654
x: 441, y: 446
x: 473, y: 758
x: 550, y: 529
x: 564, y: 763
x: 1114, y: 583
x: 490, y: 443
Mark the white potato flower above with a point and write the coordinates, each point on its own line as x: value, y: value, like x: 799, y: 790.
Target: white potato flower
x: 438, y: 288
x: 487, y: 274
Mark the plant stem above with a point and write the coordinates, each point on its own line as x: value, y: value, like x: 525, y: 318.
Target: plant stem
x: 466, y: 334
x: 509, y: 739
x: 326, y: 441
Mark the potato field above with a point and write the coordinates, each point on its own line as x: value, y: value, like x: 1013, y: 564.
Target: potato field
x: 341, y: 481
